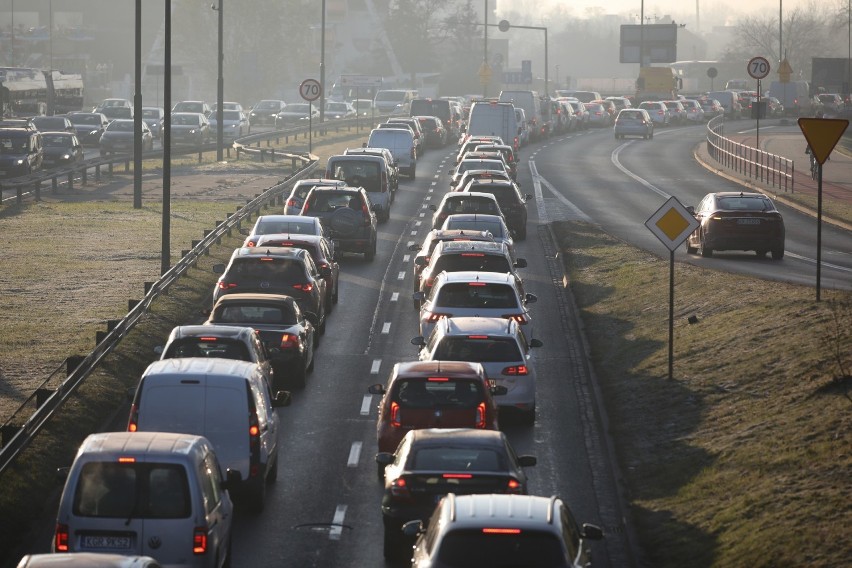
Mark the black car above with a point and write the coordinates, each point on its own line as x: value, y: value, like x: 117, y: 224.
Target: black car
x: 275, y: 270
x: 287, y: 332
x: 431, y: 462
x: 89, y: 126
x: 512, y: 203
x: 21, y: 152
x: 53, y: 124
x: 264, y: 112
x: 61, y: 149
x: 347, y: 217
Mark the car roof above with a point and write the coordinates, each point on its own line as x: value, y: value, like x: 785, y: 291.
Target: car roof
x: 475, y: 217
x: 473, y: 325
x: 484, y: 246
x: 739, y: 194
x: 413, y: 369
x: 477, y: 276
x: 254, y: 298
x: 486, y: 182
x: 228, y: 331
x: 157, y: 443
x: 501, y: 511
x: 277, y: 252
x: 85, y: 560
x: 295, y: 237
x: 469, y: 194
x: 443, y: 436
x: 208, y: 366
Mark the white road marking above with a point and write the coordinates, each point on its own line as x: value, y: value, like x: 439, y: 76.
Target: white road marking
x: 374, y: 368
x: 413, y: 233
x: 418, y: 223
x: 406, y: 257
x: 386, y: 328
x: 354, y: 454
x: 409, y: 243
x: 337, y: 522
x: 366, y: 403
x: 395, y: 297
x: 643, y: 181
x: 400, y: 276
x: 422, y: 214
x: 538, y: 181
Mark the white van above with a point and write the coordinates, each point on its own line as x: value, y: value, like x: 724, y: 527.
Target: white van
x: 155, y: 494
x: 400, y: 142
x: 530, y: 102
x: 490, y: 118
x: 225, y: 400
x: 396, y: 101
x: 730, y: 101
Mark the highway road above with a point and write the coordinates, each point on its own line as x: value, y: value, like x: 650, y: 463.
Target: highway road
x: 324, y: 509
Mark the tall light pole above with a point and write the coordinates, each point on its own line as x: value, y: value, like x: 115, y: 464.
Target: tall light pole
x: 137, y: 109
x: 220, y: 90
x: 505, y: 25
x: 50, y: 31
x: 485, y: 51
x: 322, y: 64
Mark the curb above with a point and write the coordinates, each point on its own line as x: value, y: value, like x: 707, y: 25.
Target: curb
x: 696, y: 154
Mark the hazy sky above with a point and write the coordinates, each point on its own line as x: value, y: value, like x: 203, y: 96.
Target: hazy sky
x: 662, y: 7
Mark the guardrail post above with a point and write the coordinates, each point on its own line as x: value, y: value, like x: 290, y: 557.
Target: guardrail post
x: 8, y: 432
x: 97, y: 173
x: 37, y: 187
x: 110, y: 169
x: 54, y: 186
x: 262, y: 155
x: 42, y: 395
x: 184, y: 252
x: 72, y: 362
x: 219, y: 240
x: 200, y: 155
x: 84, y: 176
x: 70, y: 180
x: 148, y: 285
x: 131, y: 304
x: 238, y: 152
x: 127, y: 166
x: 100, y: 335
x: 272, y: 154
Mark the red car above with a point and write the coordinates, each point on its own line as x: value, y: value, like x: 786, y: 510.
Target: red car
x: 433, y: 394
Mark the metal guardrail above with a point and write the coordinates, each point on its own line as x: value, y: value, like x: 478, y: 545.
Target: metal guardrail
x: 16, y: 437
x: 777, y: 171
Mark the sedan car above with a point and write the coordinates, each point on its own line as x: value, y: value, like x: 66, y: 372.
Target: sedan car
x: 119, y: 137
x: 425, y: 249
x: 200, y: 107
x: 468, y: 202
x: 633, y: 122
x: 513, y: 204
x: 234, y: 124
x: 434, y: 131
x: 264, y: 112
x: 61, y: 149
x: 290, y: 224
x: 339, y: 110
x: 53, y: 124
x: 737, y: 221
x: 296, y: 114
x: 288, y: 333
x: 190, y: 128
x: 115, y: 108
x: 430, y: 463
x: 294, y: 203
x: 89, y: 126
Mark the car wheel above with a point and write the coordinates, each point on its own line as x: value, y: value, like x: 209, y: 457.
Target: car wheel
x: 528, y: 417
x: 334, y: 296
x: 310, y: 367
x: 412, y: 172
x: 706, y: 251
x: 257, y: 496
x: 272, y: 476
x: 690, y: 249
x: 299, y: 376
x: 522, y: 232
x: 761, y: 253
x: 380, y: 471
x: 322, y: 324
x: 778, y: 253
x: 651, y: 136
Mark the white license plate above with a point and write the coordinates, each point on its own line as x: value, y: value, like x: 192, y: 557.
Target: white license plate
x: 748, y: 221
x: 111, y: 542
x: 492, y: 382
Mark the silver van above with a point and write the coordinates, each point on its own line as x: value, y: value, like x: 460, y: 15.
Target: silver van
x: 400, y: 142
x: 225, y: 400
x: 155, y: 494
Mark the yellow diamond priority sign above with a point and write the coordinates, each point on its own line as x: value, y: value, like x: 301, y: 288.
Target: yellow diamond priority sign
x: 822, y: 135
x: 672, y: 223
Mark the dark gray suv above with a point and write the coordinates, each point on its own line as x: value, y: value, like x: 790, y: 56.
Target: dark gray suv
x: 346, y: 215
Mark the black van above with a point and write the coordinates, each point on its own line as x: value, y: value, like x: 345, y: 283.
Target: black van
x: 436, y: 107
x: 21, y: 152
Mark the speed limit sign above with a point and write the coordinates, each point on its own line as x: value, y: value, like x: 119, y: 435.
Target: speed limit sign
x: 758, y: 67
x: 310, y: 89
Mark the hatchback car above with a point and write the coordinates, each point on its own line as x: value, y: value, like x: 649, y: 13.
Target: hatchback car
x: 367, y: 171
x: 234, y: 124
x: 321, y: 250
x: 154, y: 117
x: 190, y: 128
x: 115, y: 108
x: 119, y: 137
x: 89, y: 126
x: 677, y: 112
x: 296, y: 114
x: 200, y: 107
x: 502, y: 530
x: 21, y: 152
x: 433, y: 394
x: 264, y: 112
x: 468, y: 202
x: 288, y: 333
x: 281, y: 224
x: 294, y: 203
x: 53, y: 124
x: 469, y: 175
x: 289, y: 271
x: 430, y: 463
x: 339, y: 110
x: 513, y: 203
x: 694, y: 112
x: 347, y: 218
x: 633, y: 122
x: 502, y: 348
x: 474, y: 163
x: 658, y: 112
x: 424, y: 250
x: 61, y: 149
x: 475, y: 293
x: 737, y: 221
x: 433, y: 130
x: 494, y: 224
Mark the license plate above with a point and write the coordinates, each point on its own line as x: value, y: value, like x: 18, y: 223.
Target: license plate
x: 111, y: 542
x: 748, y: 221
x: 492, y: 382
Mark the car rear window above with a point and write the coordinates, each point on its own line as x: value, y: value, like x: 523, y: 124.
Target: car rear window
x: 222, y: 347
x: 478, y: 294
x: 327, y: 201
x: 492, y: 227
x: 306, y: 227
x: 476, y: 350
x: 132, y: 490
x: 472, y: 261
x: 255, y: 313
x: 481, y: 547
x: 744, y: 203
x: 458, y: 459
x: 357, y: 173
x: 476, y: 204
x: 283, y: 242
x: 266, y: 268
x: 504, y: 194
x: 437, y: 391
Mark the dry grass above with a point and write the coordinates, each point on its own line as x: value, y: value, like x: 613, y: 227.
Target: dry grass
x: 745, y: 458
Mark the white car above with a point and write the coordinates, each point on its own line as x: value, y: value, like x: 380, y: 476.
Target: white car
x: 335, y: 110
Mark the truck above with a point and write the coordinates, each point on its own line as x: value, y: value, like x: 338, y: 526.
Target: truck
x: 794, y: 95
x: 656, y: 84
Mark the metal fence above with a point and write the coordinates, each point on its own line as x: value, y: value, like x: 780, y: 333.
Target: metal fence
x: 16, y: 435
x: 776, y: 171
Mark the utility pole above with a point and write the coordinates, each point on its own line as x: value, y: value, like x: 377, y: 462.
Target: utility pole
x: 220, y: 92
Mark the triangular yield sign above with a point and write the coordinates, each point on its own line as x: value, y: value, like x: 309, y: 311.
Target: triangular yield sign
x: 822, y: 135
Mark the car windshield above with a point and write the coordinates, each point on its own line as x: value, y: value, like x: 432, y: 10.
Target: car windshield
x: 390, y: 96
x: 185, y: 120
x: 457, y: 458
x: 268, y: 105
x: 91, y: 119
x: 120, y: 126
x: 56, y: 141
x: 249, y: 313
x: 189, y: 107
x: 471, y: 261
x: 478, y: 294
x: 437, y: 391
x: 266, y: 269
x: 150, y: 113
x: 501, y: 549
x: 230, y: 114
x: 298, y: 107
x: 221, y: 347
x: 478, y: 350
x: 744, y: 203
x: 13, y: 145
x: 116, y: 490
x: 336, y: 107
x: 493, y: 227
x: 465, y: 165
x: 49, y: 123
x: 306, y: 227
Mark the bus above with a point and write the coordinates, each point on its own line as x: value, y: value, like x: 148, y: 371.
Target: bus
x: 34, y: 92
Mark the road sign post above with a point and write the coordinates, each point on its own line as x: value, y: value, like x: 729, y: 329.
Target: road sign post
x: 672, y: 224
x: 822, y: 135
x: 310, y: 89
x: 758, y: 68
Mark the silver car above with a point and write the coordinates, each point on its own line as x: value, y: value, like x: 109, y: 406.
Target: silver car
x: 658, y: 112
x: 633, y: 122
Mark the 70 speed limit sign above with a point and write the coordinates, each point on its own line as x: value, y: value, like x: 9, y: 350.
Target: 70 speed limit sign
x: 758, y: 67
x: 310, y: 89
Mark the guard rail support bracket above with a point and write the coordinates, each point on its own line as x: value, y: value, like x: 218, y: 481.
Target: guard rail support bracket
x: 42, y: 395
x: 149, y: 285
x: 72, y: 362
x: 100, y: 335
x: 131, y: 304
x: 112, y: 324
x: 8, y: 432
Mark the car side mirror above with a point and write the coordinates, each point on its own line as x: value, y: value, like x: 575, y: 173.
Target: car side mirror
x: 591, y: 532
x: 528, y: 196
x: 159, y: 349
x: 419, y: 341
x: 412, y: 528
x: 499, y: 390
x: 536, y: 343
x: 433, y: 207
x: 527, y: 461
x: 219, y: 268
x: 384, y: 458
x: 521, y: 263
x: 377, y: 388
x: 420, y: 296
x: 415, y: 248
x: 282, y: 399
x: 530, y: 299
x: 419, y: 261
x: 311, y: 317
x: 690, y: 209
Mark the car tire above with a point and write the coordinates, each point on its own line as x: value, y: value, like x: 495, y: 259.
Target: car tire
x: 228, y: 554
x: 528, y: 417
x: 690, y: 249
x: 778, y: 253
x: 335, y: 294
x: 651, y: 136
x: 761, y: 253
x: 380, y: 472
x: 299, y: 377
x: 257, y: 497
x: 272, y: 474
x: 310, y: 367
x: 706, y: 251
x: 412, y: 172
x: 522, y: 232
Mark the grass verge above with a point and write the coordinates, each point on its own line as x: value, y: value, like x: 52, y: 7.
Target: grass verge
x: 743, y: 459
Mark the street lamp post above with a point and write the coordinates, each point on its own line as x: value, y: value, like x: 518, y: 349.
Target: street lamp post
x: 322, y: 64
x: 505, y: 25
x: 485, y: 51
x: 220, y: 90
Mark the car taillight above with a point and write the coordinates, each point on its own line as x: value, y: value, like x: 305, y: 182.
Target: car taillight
x: 290, y: 341
x: 199, y: 540
x: 501, y: 531
x: 515, y: 370
x: 429, y: 282
x: 250, y: 244
x: 292, y: 203
x: 395, y: 420
x: 517, y: 317
x: 366, y: 213
x: 227, y: 285
x: 60, y: 542
x: 435, y: 316
x: 304, y: 287
x: 514, y: 486
x: 480, y: 416
x: 133, y: 423
x: 661, y: 112
x: 399, y: 489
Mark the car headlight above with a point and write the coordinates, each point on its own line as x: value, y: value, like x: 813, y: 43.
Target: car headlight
x: 66, y: 156
x: 192, y: 131
x: 19, y: 162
